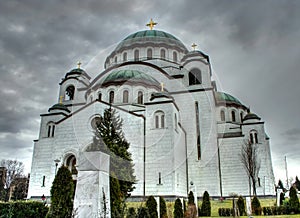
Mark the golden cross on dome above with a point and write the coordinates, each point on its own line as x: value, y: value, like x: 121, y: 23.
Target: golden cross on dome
x: 162, y: 87
x: 151, y: 24
x: 194, y: 46
x: 61, y: 99
x: 78, y: 64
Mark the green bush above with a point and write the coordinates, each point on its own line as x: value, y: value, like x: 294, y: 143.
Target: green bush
x: 294, y: 201
x: 255, y: 205
x: 205, y: 207
x: 131, y: 213
x: 151, y: 204
x: 28, y: 209
x: 162, y: 207
x: 241, y: 206
x: 178, y: 212
x: 143, y: 213
x: 191, y: 198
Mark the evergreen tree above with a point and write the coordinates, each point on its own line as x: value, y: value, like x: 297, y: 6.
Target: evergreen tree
x: 151, y: 204
x: 241, y: 206
x: 294, y: 201
x: 191, y: 198
x: 109, y: 138
x: 62, y: 192
x: 178, y: 212
x: 281, y: 199
x: 205, y: 207
x: 255, y: 205
x: 162, y: 207
x: 20, y: 190
x: 297, y: 183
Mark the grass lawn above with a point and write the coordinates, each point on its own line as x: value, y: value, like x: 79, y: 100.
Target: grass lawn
x: 215, y: 205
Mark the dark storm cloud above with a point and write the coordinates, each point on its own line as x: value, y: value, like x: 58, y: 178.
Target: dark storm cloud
x: 253, y: 46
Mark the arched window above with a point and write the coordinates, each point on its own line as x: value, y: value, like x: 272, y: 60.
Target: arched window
x: 125, y: 56
x: 116, y: 60
x: 99, y: 96
x: 175, y: 56
x: 159, y: 119
x: 140, y: 97
x: 233, y: 118
x: 195, y: 77
x: 50, y: 129
x: 136, y: 55
x: 125, y: 96
x: 70, y: 163
x: 70, y: 90
x: 241, y: 116
x: 253, y: 137
x: 222, y: 114
x: 149, y: 53
x: 163, y: 54
x: 91, y: 98
x: 111, y: 97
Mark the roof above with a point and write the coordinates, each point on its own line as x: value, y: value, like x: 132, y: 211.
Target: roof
x: 59, y: 106
x: 222, y: 97
x: 133, y: 76
x: 153, y: 36
x: 251, y: 116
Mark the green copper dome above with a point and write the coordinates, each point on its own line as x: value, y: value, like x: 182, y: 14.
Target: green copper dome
x: 133, y: 76
x: 156, y: 37
x: 222, y: 97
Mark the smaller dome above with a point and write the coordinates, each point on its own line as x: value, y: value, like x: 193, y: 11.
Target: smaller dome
x: 251, y: 116
x: 77, y: 70
x: 129, y: 76
x: 222, y: 97
x: 59, y: 107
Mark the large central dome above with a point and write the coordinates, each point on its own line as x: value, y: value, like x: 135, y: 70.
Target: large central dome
x: 141, y: 42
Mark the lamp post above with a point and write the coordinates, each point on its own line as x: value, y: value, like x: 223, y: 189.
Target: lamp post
x: 56, y: 161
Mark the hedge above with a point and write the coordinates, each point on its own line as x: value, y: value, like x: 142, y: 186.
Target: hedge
x: 28, y: 209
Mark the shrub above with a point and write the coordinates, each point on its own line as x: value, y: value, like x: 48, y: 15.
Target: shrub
x: 143, y: 213
x: 191, y: 198
x: 255, y: 204
x: 162, y: 207
x: 205, y: 207
x: 151, y: 204
x: 241, y: 206
x: 131, y: 212
x: 28, y: 209
x: 294, y: 201
x: 178, y: 212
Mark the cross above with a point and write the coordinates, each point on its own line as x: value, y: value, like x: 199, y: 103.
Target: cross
x: 162, y: 87
x: 194, y: 46
x: 151, y: 24
x: 61, y: 99
x: 78, y: 64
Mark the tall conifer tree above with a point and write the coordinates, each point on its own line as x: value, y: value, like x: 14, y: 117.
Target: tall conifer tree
x: 109, y: 138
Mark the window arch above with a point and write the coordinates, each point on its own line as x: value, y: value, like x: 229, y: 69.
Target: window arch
x: 116, y: 59
x: 125, y: 56
x: 159, y: 119
x: 136, y: 55
x: 163, y: 54
x: 242, y: 116
x: 233, y: 117
x: 222, y: 115
x: 99, y: 96
x: 253, y: 137
x: 175, y: 56
x: 195, y: 76
x: 70, y: 163
x: 50, y: 129
x: 140, y: 99
x: 149, y: 53
x: 70, y: 91
x: 125, y: 96
x: 111, y: 97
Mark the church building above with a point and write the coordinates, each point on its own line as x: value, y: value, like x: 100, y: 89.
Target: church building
x: 184, y: 134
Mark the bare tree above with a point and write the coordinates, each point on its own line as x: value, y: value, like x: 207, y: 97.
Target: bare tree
x: 249, y: 158
x: 14, y: 170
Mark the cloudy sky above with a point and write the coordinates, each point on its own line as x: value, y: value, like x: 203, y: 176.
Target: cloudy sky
x: 253, y: 46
